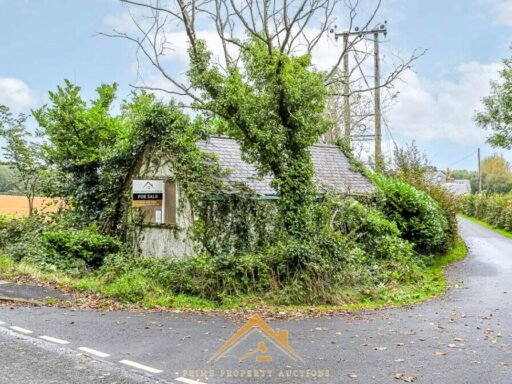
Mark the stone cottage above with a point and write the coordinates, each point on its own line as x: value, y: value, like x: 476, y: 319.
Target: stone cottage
x: 165, y: 231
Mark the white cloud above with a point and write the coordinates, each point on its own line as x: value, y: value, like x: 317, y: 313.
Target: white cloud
x: 442, y: 111
x: 15, y: 93
x: 500, y: 10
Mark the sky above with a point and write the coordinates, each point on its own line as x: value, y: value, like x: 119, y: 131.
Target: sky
x: 43, y: 42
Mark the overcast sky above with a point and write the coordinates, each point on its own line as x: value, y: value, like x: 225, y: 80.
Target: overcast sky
x: 44, y: 41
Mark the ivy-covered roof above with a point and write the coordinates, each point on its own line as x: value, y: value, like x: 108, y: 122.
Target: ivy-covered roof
x: 332, y: 169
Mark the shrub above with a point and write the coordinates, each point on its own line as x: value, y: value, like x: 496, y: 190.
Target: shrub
x: 449, y: 203
x: 14, y: 229
x: 367, y: 227
x: 495, y: 209
x: 75, y: 249
x: 411, y: 166
x: 355, y: 247
x: 418, y: 216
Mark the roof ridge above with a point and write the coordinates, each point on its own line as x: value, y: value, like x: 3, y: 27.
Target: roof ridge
x: 320, y: 145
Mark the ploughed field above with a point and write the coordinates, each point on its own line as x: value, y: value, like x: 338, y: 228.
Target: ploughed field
x: 18, y: 205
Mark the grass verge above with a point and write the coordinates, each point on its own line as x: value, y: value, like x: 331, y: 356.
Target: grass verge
x: 143, y: 292
x: 487, y: 225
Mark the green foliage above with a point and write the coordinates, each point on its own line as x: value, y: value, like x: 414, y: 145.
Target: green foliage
x: 345, y: 146
x: 35, y: 239
x: 16, y: 229
x: 418, y: 216
x: 497, y: 109
x: 272, y: 104
x: 302, y: 250
x: 496, y: 176
x: 411, y: 166
x: 355, y: 247
x: 495, y: 209
x: 86, y: 245
x: 472, y: 176
x: 236, y: 224
x: 95, y: 155
x: 78, y: 135
x: 5, y: 179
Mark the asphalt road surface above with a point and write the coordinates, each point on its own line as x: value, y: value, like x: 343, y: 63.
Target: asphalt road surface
x: 464, y: 337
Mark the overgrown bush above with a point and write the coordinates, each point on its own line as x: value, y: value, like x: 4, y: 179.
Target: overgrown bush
x: 495, y: 209
x: 236, y: 224
x: 14, y: 229
x: 68, y: 247
x: 418, y: 216
x: 411, y: 166
x: 36, y: 239
x: 354, y: 248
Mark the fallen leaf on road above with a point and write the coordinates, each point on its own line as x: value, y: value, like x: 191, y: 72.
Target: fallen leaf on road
x: 458, y: 339
x: 504, y: 364
x: 380, y: 348
x: 407, y: 379
x: 452, y: 346
x: 352, y: 375
x: 440, y: 353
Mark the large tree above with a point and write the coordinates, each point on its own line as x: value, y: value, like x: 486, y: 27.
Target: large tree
x: 497, y: 175
x: 260, y: 83
x: 496, y: 115
x: 77, y: 135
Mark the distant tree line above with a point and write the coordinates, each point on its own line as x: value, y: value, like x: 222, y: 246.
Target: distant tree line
x: 5, y: 177
x: 496, y: 175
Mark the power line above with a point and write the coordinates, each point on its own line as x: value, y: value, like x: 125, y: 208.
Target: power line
x: 473, y: 153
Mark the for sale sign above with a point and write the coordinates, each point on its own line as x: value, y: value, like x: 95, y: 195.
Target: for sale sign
x: 147, y: 193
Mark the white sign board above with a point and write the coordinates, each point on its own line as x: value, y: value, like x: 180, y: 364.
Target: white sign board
x: 147, y: 193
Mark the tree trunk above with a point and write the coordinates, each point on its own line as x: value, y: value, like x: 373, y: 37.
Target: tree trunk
x: 30, y: 199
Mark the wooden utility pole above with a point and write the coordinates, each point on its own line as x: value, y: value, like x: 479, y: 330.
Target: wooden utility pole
x: 382, y: 28
x: 378, y: 132
x: 346, y: 88
x: 479, y: 173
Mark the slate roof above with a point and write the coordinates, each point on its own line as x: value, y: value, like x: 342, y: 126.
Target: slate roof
x: 459, y: 187
x: 332, y: 168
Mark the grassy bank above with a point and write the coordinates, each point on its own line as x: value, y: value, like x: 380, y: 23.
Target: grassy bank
x: 487, y: 225
x: 143, y: 292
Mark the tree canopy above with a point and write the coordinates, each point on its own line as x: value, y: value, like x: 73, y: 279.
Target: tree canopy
x: 496, y: 115
x: 22, y: 156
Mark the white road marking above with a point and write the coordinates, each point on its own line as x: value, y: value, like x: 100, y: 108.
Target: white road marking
x: 54, y: 340
x: 140, y: 366
x: 93, y: 352
x: 22, y: 330
x: 188, y: 381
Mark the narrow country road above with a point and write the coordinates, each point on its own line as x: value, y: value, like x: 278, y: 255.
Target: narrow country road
x: 464, y: 337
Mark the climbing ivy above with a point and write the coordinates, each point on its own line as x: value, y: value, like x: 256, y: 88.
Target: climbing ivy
x: 236, y: 224
x: 272, y: 104
x: 95, y: 155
